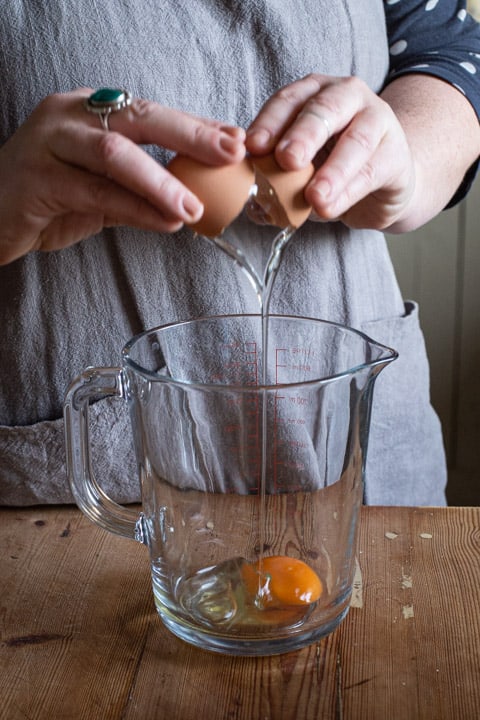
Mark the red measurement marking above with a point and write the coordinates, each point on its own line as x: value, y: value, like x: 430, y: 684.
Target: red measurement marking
x: 302, y: 351
x: 299, y: 400
x: 244, y: 362
x: 276, y: 424
x: 283, y: 469
x: 234, y: 401
x: 302, y: 368
x: 247, y: 453
x: 242, y: 358
x: 231, y: 428
x: 278, y: 364
x: 297, y: 443
x: 294, y: 465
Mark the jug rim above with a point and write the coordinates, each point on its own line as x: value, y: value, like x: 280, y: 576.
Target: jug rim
x: 390, y: 355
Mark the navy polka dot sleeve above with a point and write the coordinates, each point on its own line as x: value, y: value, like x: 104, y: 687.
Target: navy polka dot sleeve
x: 436, y: 37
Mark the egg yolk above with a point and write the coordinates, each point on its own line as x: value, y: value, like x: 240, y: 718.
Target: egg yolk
x: 279, y: 580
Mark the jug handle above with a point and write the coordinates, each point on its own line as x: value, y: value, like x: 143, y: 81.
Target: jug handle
x: 93, y: 383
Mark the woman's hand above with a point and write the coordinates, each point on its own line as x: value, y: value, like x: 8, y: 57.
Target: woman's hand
x: 366, y: 174
x: 382, y: 162
x: 63, y: 177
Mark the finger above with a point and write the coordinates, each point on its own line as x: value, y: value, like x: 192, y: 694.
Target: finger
x: 324, y: 115
x: 115, y: 156
x: 351, y: 159
x: 279, y: 111
x: 75, y: 190
x: 370, y: 159
x: 146, y: 122
x: 208, y: 141
x: 66, y: 230
x: 382, y: 207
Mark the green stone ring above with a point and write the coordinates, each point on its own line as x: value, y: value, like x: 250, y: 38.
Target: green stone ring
x: 105, y: 101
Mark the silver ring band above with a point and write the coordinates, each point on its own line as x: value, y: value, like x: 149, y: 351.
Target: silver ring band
x: 320, y: 117
x: 105, y: 101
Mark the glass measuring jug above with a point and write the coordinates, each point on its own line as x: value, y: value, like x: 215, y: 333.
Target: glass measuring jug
x: 250, y: 491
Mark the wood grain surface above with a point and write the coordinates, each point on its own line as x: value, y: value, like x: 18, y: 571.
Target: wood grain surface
x: 79, y: 636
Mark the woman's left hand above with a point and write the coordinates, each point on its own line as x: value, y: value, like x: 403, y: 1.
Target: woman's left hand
x: 366, y: 174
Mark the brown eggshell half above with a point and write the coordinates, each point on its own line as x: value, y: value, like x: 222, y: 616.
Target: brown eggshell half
x: 280, y: 192
x: 223, y: 190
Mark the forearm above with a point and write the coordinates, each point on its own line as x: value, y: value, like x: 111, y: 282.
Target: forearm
x: 443, y: 133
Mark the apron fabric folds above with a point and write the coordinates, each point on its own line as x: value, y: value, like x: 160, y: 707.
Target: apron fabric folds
x: 64, y: 311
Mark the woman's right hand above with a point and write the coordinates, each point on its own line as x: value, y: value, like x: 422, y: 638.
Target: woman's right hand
x: 64, y: 178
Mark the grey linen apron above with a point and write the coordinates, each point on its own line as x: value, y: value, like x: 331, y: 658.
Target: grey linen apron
x: 66, y: 310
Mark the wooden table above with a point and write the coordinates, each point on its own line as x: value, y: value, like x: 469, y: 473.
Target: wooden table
x: 79, y: 636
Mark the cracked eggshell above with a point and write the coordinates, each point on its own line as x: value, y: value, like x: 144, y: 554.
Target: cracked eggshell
x: 286, y: 205
x: 223, y: 190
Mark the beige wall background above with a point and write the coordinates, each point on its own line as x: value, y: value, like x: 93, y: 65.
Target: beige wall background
x: 474, y: 7
x: 439, y: 267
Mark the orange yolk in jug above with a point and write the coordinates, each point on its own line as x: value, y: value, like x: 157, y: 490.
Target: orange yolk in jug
x: 279, y: 580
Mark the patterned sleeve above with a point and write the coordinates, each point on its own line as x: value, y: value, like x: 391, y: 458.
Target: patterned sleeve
x: 437, y: 37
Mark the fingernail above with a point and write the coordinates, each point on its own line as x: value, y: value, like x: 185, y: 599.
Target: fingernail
x: 292, y: 148
x: 229, y: 143
x: 233, y: 131
x: 321, y: 188
x: 192, y: 207
x: 259, y: 138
